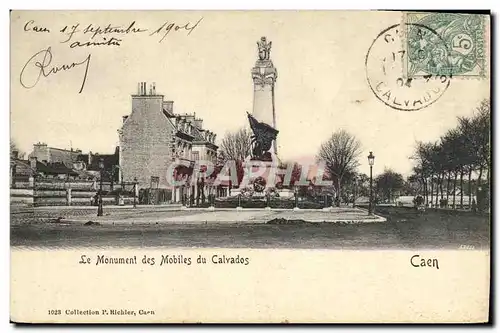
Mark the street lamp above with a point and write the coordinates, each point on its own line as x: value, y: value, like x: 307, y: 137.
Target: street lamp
x: 135, y: 192
x: 355, y: 190
x: 101, y: 172
x: 371, y: 160
x: 296, y: 197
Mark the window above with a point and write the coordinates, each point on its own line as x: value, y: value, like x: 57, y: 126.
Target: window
x: 196, y: 155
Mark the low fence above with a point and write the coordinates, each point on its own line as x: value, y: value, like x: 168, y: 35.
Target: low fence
x: 59, y: 192
x: 21, y: 197
x: 152, y: 196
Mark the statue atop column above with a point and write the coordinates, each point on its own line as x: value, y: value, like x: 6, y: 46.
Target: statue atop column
x: 264, y: 48
x: 263, y: 117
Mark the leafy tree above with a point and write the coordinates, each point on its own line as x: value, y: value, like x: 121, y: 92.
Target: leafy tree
x: 462, y: 151
x: 388, y: 183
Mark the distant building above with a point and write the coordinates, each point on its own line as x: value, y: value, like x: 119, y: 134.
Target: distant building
x: 48, y: 155
x: 153, y: 136
x: 90, y: 163
x: 57, y: 162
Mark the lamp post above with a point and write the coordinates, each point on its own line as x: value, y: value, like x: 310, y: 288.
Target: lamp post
x: 135, y: 192
x: 371, y: 160
x: 296, y: 197
x: 121, y: 178
x: 101, y: 172
x: 355, y: 190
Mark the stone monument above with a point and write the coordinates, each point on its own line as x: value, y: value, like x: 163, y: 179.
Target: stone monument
x: 262, y: 167
x: 264, y: 76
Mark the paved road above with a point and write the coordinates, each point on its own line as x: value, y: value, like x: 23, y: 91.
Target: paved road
x: 405, y: 229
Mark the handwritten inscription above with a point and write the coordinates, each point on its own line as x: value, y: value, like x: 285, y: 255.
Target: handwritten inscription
x: 31, y: 26
x: 92, y: 31
x: 88, y: 35
x: 39, y: 65
x: 97, y: 31
x: 417, y: 261
x: 167, y: 27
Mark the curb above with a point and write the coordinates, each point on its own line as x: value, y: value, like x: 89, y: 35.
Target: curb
x: 378, y: 219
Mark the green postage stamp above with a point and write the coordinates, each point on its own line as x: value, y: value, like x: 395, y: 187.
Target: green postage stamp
x: 446, y: 44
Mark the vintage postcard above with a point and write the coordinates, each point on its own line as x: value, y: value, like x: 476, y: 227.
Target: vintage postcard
x: 250, y: 167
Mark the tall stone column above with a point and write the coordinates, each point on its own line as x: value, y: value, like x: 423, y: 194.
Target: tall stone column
x: 264, y: 76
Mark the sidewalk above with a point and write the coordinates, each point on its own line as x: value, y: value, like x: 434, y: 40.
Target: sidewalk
x: 231, y: 216
x: 162, y: 207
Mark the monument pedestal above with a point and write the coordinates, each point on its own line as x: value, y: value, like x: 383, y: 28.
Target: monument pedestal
x: 260, y: 178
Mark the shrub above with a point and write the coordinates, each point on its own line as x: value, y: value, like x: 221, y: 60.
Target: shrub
x: 418, y: 200
x: 443, y: 203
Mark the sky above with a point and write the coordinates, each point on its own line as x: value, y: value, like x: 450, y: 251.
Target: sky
x: 321, y: 85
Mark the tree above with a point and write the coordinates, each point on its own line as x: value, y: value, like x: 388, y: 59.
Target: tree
x: 413, y: 185
x: 363, y: 185
x: 423, y: 169
x: 451, y: 144
x: 388, y: 183
x: 482, y: 125
x: 14, y: 151
x: 295, y: 176
x: 340, y: 153
x: 463, y: 150
x: 235, y: 146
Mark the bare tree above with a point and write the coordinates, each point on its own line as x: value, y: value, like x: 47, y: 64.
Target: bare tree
x: 14, y: 151
x: 235, y: 146
x: 340, y: 154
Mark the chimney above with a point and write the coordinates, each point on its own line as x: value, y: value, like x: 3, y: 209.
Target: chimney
x: 150, y: 89
x: 169, y: 106
x: 154, y: 88
x: 143, y: 89
x: 33, y: 162
x: 198, y: 123
x: 138, y: 88
x: 90, y: 158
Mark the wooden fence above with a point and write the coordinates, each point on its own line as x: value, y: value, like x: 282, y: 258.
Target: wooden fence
x: 60, y: 192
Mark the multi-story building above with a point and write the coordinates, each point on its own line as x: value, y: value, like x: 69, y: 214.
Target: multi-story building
x: 153, y: 137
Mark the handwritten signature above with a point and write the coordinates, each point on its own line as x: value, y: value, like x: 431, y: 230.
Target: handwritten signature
x: 39, y: 65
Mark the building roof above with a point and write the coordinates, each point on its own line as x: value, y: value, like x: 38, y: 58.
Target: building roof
x: 57, y: 168
x: 196, y: 133
x: 109, y: 160
x: 22, y: 167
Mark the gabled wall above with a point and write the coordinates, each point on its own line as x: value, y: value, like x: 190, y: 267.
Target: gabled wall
x: 145, y: 141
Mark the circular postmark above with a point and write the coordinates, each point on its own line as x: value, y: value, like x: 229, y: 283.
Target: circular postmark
x: 390, y: 62
x: 461, y: 33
